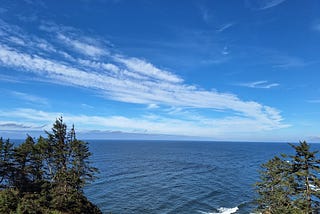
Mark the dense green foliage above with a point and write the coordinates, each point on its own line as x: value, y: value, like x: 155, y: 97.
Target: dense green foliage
x: 46, y: 176
x: 290, y: 184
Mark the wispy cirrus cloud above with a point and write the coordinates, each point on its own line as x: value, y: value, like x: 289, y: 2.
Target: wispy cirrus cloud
x: 29, y: 98
x: 260, y: 84
x: 206, y: 15
x: 152, y: 106
x: 147, y: 69
x: 285, y: 62
x: 224, y: 27
x: 276, y: 59
x: 209, y: 18
x: 271, y: 3
x: 126, y: 79
x: 263, y: 4
x: 82, y: 47
x: 316, y: 25
x: 87, y: 106
x: 314, y: 101
x: 7, y: 78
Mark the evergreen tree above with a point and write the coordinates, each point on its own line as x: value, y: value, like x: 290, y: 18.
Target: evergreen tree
x: 46, y: 176
x: 58, y: 148
x: 276, y: 187
x: 305, y: 169
x: 6, y: 164
x: 9, y: 199
x: 45, y: 151
x: 70, y: 166
x: 290, y: 184
x: 27, y: 167
x: 80, y: 168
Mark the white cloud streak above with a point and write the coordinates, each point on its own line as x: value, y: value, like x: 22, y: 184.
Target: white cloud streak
x: 225, y: 27
x: 260, y: 84
x: 29, y: 98
x: 271, y: 3
x: 286, y: 62
x: 82, y: 47
x: 129, y: 79
x: 147, y: 69
x: 263, y: 4
x: 152, y: 106
x: 216, y: 128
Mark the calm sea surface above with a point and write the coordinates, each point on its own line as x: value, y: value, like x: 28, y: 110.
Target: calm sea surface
x: 178, y: 177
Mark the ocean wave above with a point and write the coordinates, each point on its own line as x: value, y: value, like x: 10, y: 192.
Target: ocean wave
x: 223, y: 210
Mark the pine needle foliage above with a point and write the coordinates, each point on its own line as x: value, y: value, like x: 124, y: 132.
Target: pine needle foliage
x: 290, y: 184
x: 46, y: 175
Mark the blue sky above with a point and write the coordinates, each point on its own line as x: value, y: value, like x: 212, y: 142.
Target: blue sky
x: 244, y: 70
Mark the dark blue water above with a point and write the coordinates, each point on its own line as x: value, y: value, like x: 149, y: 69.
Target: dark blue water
x: 178, y: 177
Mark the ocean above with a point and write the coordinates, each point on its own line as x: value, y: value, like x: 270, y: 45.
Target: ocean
x: 178, y: 176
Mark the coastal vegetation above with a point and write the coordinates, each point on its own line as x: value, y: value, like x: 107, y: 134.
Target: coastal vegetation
x: 46, y: 175
x: 290, y: 183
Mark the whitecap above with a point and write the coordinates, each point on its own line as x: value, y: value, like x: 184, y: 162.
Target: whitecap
x: 223, y: 210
